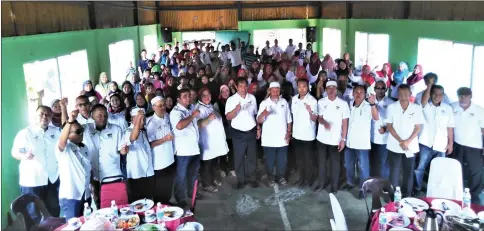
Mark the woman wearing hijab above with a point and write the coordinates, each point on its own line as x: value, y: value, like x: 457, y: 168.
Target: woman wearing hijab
x: 398, y: 77
x: 416, y: 80
x: 103, y: 86
x: 114, y: 88
x: 385, y: 74
x: 263, y: 77
x: 89, y: 91
x: 313, y: 68
x: 328, y: 64
x: 346, y: 58
x: 226, y: 162
x: 56, y: 113
x: 284, y: 74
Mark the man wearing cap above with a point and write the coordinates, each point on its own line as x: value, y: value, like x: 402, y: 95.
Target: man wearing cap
x: 159, y: 131
x: 468, y: 132
x: 241, y: 109
x: 275, y: 116
x: 185, y: 131
x: 333, y: 127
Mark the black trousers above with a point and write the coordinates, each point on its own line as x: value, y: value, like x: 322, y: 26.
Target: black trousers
x: 304, y: 158
x: 209, y: 171
x: 472, y: 162
x: 399, y: 162
x: 141, y: 188
x: 164, y: 179
x: 245, y: 155
x: 292, y: 164
x: 227, y: 161
x: 329, y: 159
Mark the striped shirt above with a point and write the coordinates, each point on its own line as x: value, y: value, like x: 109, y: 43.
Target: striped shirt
x: 249, y: 59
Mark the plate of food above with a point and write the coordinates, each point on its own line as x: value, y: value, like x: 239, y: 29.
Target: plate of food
x: 172, y: 213
x: 190, y: 226
x: 446, y: 206
x: 415, y: 203
x: 151, y: 227
x: 141, y: 205
x: 128, y: 222
x: 397, y: 220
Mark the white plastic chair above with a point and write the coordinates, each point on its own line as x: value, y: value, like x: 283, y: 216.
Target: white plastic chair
x: 333, y: 225
x: 445, y: 179
x: 339, y: 217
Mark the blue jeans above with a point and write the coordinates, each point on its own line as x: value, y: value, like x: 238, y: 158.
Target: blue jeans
x: 364, y: 165
x: 276, y: 157
x: 379, y: 157
x: 186, y: 175
x: 73, y: 208
x: 49, y: 194
x: 426, y: 155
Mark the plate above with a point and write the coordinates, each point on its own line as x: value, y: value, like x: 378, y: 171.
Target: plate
x: 142, y: 205
x: 151, y: 227
x: 419, y: 205
x: 132, y: 221
x: 399, y: 229
x: 392, y: 216
x: 190, y: 226
x: 176, y: 212
x: 454, y: 208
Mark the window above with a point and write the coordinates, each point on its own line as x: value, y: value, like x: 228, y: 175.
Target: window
x: 56, y: 78
x: 121, y: 56
x: 332, y: 42
x: 150, y: 44
x: 460, y: 70
x: 371, y: 49
x: 282, y: 35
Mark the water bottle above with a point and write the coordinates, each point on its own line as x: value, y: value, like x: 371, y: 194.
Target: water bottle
x: 382, y: 220
x: 114, y: 209
x: 466, y: 201
x: 397, y: 197
x: 87, y: 212
x: 159, y: 214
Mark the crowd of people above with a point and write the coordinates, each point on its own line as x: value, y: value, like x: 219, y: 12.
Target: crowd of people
x: 185, y: 112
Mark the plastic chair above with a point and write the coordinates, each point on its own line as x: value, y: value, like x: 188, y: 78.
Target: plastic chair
x: 16, y: 222
x: 445, y: 179
x: 47, y: 222
x: 116, y: 191
x: 339, y: 217
x: 379, y: 188
x: 333, y: 225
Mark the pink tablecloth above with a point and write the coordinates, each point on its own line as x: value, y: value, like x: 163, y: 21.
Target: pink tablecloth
x: 390, y: 207
x: 170, y: 225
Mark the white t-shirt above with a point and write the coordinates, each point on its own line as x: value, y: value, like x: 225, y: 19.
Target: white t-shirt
x: 334, y: 112
x: 290, y: 50
x: 213, y: 142
x: 359, y: 127
x: 303, y: 127
x: 186, y: 140
x: 118, y: 119
x: 434, y: 131
x: 139, y: 160
x: 245, y: 118
x: 157, y: 128
x: 235, y: 57
x: 75, y: 172
x: 274, y: 128
x: 382, y: 106
x: 468, y: 125
x: 403, y: 123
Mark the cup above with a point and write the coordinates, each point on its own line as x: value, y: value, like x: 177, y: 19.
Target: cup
x: 124, y: 211
x: 150, y: 216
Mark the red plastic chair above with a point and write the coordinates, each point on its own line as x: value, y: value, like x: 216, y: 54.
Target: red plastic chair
x: 116, y: 191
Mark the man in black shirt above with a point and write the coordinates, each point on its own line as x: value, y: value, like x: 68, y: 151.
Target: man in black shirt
x: 143, y: 62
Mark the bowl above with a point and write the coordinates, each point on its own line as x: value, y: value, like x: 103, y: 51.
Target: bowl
x: 124, y: 211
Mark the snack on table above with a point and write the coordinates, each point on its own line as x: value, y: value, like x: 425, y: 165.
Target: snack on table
x: 169, y: 214
x: 127, y: 223
x: 139, y: 206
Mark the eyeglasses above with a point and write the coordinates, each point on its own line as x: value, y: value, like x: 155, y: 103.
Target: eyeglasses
x: 380, y: 88
x: 78, y: 131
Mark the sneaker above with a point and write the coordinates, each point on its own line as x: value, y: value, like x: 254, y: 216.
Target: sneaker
x: 271, y: 183
x: 232, y: 173
x: 282, y: 181
x: 223, y: 174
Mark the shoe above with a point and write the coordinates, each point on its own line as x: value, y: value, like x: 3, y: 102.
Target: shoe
x: 282, y: 181
x: 333, y: 191
x: 223, y: 174
x: 348, y: 187
x: 239, y: 186
x: 318, y: 188
x: 232, y: 173
x: 271, y: 183
x: 254, y: 184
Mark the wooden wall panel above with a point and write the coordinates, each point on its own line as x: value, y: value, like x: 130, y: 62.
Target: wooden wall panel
x: 194, y: 3
x: 279, y: 13
x: 147, y: 3
x: 110, y: 16
x: 146, y: 17
x: 49, y: 17
x: 8, y: 26
x: 335, y: 10
x: 199, y: 20
x: 389, y: 10
x: 447, y: 10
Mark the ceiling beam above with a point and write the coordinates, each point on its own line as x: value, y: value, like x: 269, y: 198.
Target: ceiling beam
x: 241, y: 5
x: 406, y: 9
x: 157, y: 5
x: 135, y: 13
x: 349, y: 9
x: 91, y: 10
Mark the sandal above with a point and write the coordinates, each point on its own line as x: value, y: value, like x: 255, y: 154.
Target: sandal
x: 211, y: 189
x: 217, y: 183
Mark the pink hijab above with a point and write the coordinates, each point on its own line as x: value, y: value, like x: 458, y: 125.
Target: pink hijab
x: 328, y: 63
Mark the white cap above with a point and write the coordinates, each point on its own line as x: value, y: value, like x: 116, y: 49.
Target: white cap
x: 156, y: 99
x: 331, y: 83
x: 274, y: 84
x: 92, y: 98
x: 135, y: 111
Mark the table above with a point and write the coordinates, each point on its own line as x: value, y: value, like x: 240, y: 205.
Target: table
x: 390, y: 207
x: 170, y: 225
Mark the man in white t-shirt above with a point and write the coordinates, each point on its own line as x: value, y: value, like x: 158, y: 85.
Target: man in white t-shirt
x: 404, y: 122
x: 290, y: 49
x: 468, y: 132
x: 276, y: 49
x: 333, y: 127
x: 235, y: 57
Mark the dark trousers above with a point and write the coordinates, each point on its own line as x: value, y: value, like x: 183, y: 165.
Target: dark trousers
x: 227, y: 161
x: 291, y: 159
x: 49, y: 194
x: 74, y: 208
x: 140, y: 188
x: 379, y: 161
x: 329, y: 159
x: 472, y: 161
x: 275, y: 157
x: 305, y: 159
x: 397, y: 161
x: 123, y: 160
x: 245, y: 155
x: 209, y: 172
x: 186, y: 174
x: 164, y: 184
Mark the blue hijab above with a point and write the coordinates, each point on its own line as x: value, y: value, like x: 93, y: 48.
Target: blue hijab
x: 398, y: 76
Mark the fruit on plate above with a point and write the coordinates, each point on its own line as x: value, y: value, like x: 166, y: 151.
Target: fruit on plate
x: 127, y: 223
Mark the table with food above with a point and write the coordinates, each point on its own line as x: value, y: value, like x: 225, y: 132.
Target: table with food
x: 428, y: 213
x: 139, y: 215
